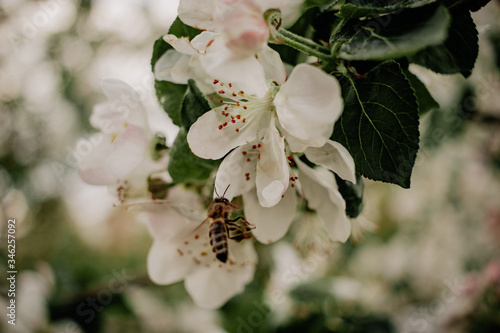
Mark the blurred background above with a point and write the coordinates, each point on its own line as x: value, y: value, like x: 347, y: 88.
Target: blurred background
x: 430, y: 262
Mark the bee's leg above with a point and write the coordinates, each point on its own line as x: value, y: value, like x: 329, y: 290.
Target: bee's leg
x: 242, y: 219
x: 238, y: 232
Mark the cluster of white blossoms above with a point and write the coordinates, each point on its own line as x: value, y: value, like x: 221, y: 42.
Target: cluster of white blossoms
x: 271, y: 129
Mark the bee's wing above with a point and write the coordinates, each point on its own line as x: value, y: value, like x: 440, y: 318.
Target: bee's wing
x: 205, y: 222
x: 182, y: 209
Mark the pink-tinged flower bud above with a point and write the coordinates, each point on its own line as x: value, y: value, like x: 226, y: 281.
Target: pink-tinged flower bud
x: 245, y: 34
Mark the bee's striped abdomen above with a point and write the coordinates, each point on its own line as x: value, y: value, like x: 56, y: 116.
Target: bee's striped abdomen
x: 218, y: 240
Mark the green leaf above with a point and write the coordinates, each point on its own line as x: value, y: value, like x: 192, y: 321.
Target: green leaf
x: 360, y: 8
x: 425, y: 100
x: 379, y: 125
x: 170, y: 96
x: 393, y: 36
x: 159, y: 48
x: 194, y: 105
x: 322, y: 4
x: 184, y: 166
x: 457, y: 54
x: 179, y: 29
x: 352, y: 194
x: 349, y: 11
x: 461, y: 5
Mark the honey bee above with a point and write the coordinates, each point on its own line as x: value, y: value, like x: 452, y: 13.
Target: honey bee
x: 222, y: 228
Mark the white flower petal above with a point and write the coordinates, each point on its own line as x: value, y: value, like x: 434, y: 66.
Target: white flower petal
x: 295, y: 145
x: 290, y: 12
x: 246, y: 73
x: 165, y: 220
x: 269, y: 4
x: 92, y: 168
x: 244, y: 32
x: 115, y: 89
x: 98, y: 175
x: 273, y: 66
x: 272, y: 168
x: 206, y: 140
x: 176, y: 67
x: 211, y: 287
x: 127, y: 151
x: 335, y: 157
x: 106, y: 118
x: 178, y: 215
x: 197, y: 46
x: 236, y: 172
x: 173, y: 66
x: 334, y: 217
x: 197, y: 13
x: 165, y: 264
x: 319, y: 188
x: 137, y: 184
x: 181, y: 247
x: 308, y: 104
x: 290, y: 9
x: 126, y: 101
x: 271, y: 224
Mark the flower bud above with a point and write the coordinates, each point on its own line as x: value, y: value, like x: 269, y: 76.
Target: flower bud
x: 245, y: 34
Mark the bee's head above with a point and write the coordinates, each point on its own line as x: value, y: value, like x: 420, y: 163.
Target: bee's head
x: 221, y: 200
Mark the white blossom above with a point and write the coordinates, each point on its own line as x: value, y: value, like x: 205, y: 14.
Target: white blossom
x: 259, y: 126
x: 233, y: 46
x: 181, y: 251
x: 121, y: 160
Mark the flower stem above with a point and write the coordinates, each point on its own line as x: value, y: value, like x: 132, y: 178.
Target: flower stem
x: 302, y: 44
x: 336, y: 45
x: 305, y: 45
x: 304, y: 41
